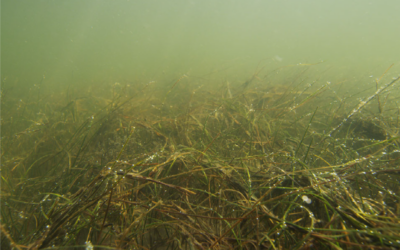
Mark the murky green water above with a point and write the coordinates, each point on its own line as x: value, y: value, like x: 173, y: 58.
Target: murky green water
x: 200, y: 124
x: 105, y: 40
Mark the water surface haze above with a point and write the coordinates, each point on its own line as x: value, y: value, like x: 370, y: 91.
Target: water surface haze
x: 123, y: 39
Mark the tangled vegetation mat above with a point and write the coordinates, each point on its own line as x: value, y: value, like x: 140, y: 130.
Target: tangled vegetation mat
x: 277, y: 161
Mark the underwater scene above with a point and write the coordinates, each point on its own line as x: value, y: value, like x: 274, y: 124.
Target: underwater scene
x: 189, y: 124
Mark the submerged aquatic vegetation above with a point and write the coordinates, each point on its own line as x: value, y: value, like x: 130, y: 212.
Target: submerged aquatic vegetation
x: 270, y: 163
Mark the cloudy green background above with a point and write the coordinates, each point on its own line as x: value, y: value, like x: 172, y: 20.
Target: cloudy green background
x: 116, y: 40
